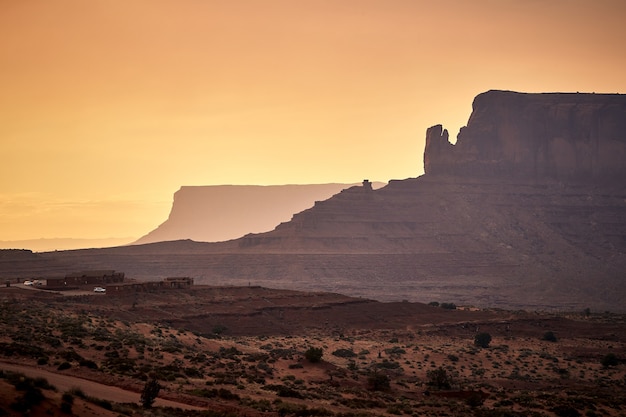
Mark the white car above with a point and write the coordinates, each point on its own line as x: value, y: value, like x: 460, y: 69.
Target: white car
x: 99, y: 289
x: 28, y: 282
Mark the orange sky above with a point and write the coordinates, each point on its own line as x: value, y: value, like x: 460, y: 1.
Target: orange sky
x: 107, y: 107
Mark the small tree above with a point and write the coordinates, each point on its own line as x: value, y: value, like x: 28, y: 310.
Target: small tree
x: 482, y: 340
x: 150, y: 393
x: 314, y: 355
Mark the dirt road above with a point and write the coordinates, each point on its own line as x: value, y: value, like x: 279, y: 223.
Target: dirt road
x: 90, y: 388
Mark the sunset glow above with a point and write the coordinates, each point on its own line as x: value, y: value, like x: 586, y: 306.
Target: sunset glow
x: 108, y: 107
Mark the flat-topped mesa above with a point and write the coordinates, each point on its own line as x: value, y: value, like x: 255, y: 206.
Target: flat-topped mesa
x: 562, y: 136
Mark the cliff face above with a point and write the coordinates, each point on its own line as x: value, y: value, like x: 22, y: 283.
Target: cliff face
x: 526, y: 210
x: 221, y: 212
x: 561, y: 136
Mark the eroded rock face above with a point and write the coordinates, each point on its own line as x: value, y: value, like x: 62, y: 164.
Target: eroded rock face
x: 563, y: 136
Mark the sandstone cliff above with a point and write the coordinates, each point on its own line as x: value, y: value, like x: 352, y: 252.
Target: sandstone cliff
x: 526, y: 210
x: 567, y: 137
x: 215, y: 213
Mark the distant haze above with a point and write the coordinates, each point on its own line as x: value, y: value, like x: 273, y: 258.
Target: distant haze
x: 45, y: 245
x: 107, y: 107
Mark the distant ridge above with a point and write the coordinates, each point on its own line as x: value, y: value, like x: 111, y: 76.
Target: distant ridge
x: 216, y: 213
x: 50, y: 244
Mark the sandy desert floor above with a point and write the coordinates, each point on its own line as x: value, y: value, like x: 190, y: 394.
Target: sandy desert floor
x: 243, y: 351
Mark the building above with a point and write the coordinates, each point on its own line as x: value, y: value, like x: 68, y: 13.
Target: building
x: 149, y: 286
x: 96, y: 277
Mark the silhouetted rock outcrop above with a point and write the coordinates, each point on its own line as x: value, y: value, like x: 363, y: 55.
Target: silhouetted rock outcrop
x: 527, y: 210
x: 215, y: 213
x: 561, y: 136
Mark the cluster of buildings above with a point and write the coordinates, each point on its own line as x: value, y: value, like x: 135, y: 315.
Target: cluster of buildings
x: 113, y: 282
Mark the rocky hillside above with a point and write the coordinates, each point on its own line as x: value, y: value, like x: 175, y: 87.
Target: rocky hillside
x: 526, y: 210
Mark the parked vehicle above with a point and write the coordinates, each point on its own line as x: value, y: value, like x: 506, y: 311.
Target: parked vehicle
x: 28, y: 282
x: 99, y: 289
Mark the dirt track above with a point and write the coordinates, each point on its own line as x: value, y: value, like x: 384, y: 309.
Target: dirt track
x: 90, y: 388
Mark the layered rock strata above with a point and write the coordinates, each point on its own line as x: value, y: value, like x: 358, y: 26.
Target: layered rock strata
x: 580, y: 137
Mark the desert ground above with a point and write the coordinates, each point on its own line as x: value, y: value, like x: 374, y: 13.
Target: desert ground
x: 255, y: 351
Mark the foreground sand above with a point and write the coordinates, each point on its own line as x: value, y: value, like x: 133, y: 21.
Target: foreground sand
x: 241, y: 351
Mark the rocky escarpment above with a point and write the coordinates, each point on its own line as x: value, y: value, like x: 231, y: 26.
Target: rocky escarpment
x: 215, y: 213
x: 566, y: 137
x: 511, y: 216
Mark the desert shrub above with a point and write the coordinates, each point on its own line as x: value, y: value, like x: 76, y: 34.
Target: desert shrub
x: 475, y: 399
x: 149, y: 393
x: 482, y: 340
x: 439, y: 378
x: 193, y: 372
x: 229, y: 353
x: 77, y: 392
x: 295, y: 366
x: 314, y: 355
x: 88, y: 364
x: 43, y: 383
x: 387, y: 364
x: 219, y: 329
x: 70, y: 356
x: 67, y: 400
x: 31, y: 395
x: 434, y: 304
x: 549, y: 336
x: 565, y: 411
x: 63, y: 366
x: 120, y: 365
x: 378, y: 382
x: 609, y: 360
x: 21, y: 349
x: 448, y: 306
x: 344, y: 353
x: 282, y: 353
x: 284, y: 391
x: 106, y: 404
x: 395, y: 351
x: 42, y: 361
x: 453, y: 358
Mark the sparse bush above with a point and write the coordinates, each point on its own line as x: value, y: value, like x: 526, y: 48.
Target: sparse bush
x: 395, y: 351
x: 439, y: 378
x: 448, y: 306
x: 378, y: 382
x: 67, y: 400
x: 482, y: 340
x: 314, y: 355
x: 63, y: 366
x: 549, y: 336
x: 434, y: 304
x: 344, y: 353
x: 88, y: 364
x: 609, y: 360
x: 565, y: 411
x: 219, y: 329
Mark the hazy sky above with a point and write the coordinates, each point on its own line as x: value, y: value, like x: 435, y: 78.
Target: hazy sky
x: 107, y: 107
